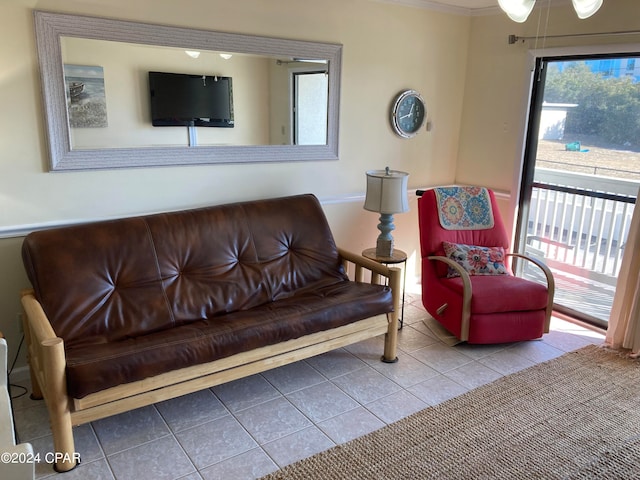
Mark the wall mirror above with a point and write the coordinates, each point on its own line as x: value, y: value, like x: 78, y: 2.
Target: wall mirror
x: 284, y: 94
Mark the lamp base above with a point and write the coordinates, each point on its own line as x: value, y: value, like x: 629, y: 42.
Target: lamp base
x: 384, y: 244
x: 384, y: 247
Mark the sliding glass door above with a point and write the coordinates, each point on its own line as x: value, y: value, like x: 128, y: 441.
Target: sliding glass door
x: 581, y: 176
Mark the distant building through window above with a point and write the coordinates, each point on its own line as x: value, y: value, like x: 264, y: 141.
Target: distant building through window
x: 610, y: 67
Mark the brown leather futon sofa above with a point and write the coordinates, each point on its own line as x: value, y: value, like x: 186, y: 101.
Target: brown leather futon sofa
x: 129, y: 312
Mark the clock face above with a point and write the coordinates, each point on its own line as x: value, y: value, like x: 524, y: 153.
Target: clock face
x: 408, y: 114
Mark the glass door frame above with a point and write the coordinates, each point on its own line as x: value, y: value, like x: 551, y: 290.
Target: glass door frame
x: 540, y: 58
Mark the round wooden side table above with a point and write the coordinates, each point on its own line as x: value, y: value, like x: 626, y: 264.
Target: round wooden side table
x: 397, y: 257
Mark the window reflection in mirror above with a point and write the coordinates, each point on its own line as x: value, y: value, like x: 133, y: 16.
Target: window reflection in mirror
x: 310, y: 90
x: 276, y: 101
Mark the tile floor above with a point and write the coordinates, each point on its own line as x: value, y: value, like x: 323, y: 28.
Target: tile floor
x: 251, y: 427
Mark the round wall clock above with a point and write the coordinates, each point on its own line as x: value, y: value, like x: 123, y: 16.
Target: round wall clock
x: 408, y: 113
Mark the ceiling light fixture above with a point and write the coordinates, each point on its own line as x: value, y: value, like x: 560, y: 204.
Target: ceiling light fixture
x: 586, y: 8
x: 519, y: 10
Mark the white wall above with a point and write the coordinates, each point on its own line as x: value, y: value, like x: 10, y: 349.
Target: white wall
x: 386, y: 48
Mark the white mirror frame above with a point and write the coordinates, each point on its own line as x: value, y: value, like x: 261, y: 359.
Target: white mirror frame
x: 50, y: 27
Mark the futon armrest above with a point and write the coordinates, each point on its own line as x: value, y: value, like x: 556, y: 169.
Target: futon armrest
x: 37, y: 322
x: 45, y: 349
x: 363, y: 262
x: 393, y: 279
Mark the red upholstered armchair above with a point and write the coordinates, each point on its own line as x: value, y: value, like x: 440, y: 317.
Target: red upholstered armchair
x: 467, y: 282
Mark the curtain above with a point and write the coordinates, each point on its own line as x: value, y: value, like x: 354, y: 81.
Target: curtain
x: 624, y: 322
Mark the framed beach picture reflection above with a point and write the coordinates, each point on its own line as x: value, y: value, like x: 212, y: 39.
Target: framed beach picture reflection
x: 86, y: 99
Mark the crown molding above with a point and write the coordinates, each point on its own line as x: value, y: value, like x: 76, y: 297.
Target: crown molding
x: 465, y: 11
x: 441, y: 7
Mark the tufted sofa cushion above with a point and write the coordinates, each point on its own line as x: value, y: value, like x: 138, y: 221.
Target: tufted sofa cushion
x: 93, y: 367
x: 140, y: 296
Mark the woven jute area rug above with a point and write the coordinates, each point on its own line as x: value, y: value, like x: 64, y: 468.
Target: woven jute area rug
x: 574, y: 417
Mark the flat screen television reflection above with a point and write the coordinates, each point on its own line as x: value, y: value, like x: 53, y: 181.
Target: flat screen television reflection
x: 190, y: 100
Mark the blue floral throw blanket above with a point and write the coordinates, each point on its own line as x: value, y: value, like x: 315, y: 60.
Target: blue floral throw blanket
x: 464, y: 208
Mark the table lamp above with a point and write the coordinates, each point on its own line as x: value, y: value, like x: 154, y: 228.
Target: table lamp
x: 386, y: 194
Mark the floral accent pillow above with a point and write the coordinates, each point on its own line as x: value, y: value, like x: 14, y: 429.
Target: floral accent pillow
x: 475, y: 260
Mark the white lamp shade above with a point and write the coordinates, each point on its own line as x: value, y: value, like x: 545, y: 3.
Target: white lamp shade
x: 517, y: 10
x: 586, y: 8
x: 387, y: 191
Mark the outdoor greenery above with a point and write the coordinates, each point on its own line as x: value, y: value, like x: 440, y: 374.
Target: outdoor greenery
x: 608, y: 108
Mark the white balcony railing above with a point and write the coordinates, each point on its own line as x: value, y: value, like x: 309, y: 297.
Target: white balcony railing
x: 579, y: 223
